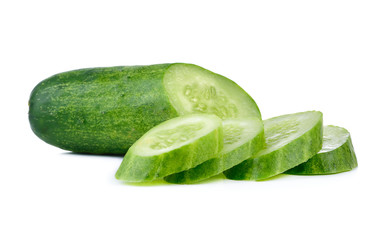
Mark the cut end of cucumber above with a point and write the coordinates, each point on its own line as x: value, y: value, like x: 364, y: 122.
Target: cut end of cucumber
x: 175, y: 133
x: 193, y: 89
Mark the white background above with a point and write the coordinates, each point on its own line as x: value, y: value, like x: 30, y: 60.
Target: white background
x: 290, y: 56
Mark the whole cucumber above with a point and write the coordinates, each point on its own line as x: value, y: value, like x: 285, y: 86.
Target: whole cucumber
x: 105, y: 110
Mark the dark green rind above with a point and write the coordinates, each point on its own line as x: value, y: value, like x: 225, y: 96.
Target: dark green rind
x: 217, y: 165
x: 99, y: 110
x: 273, y: 163
x: 341, y: 159
x: 136, y: 168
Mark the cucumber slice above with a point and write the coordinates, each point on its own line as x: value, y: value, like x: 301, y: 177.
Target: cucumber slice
x: 193, y: 89
x: 337, y: 154
x: 290, y: 140
x: 173, y: 146
x: 242, y: 140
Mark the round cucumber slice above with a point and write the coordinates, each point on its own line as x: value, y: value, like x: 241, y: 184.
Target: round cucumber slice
x: 242, y: 140
x: 173, y: 146
x: 290, y: 140
x: 337, y: 154
x: 193, y: 89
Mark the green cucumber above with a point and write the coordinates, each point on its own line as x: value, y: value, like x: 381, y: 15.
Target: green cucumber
x: 243, y: 138
x: 173, y: 146
x: 290, y: 140
x: 337, y: 154
x: 105, y: 110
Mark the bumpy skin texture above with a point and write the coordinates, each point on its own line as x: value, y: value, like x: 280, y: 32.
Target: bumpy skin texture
x: 217, y: 165
x: 282, y: 159
x: 340, y: 159
x: 135, y: 168
x: 99, y: 110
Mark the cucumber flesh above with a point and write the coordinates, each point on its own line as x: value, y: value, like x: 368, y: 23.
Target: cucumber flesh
x: 337, y: 154
x: 242, y: 140
x: 193, y: 89
x: 290, y: 140
x: 173, y: 146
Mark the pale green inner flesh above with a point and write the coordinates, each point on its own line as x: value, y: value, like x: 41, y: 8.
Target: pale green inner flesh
x: 175, y: 133
x: 169, y: 137
x: 280, y: 131
x: 192, y: 89
x: 333, y: 138
x: 232, y: 134
x: 237, y: 132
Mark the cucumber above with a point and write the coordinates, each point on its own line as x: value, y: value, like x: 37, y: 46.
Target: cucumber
x: 105, y: 110
x: 173, y: 146
x: 337, y: 154
x: 290, y: 140
x: 243, y: 138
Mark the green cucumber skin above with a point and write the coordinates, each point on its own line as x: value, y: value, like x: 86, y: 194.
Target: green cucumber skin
x: 217, y: 165
x: 280, y: 160
x: 148, y: 168
x: 99, y: 110
x: 342, y: 159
